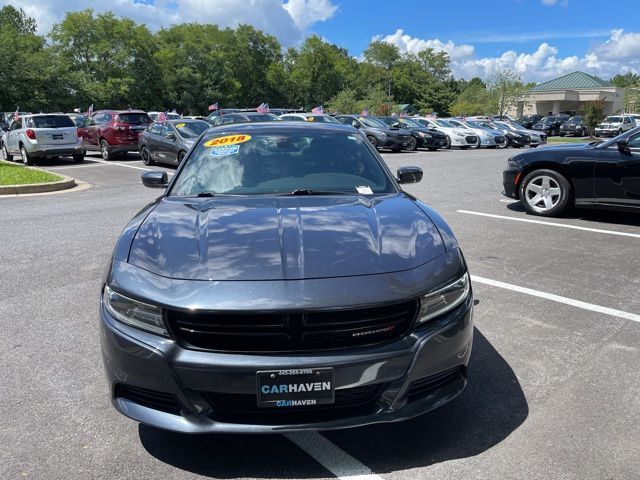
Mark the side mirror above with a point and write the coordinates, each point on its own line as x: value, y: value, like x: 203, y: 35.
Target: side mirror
x: 170, y: 136
x: 623, y: 145
x: 409, y: 174
x: 355, y: 124
x: 155, y: 179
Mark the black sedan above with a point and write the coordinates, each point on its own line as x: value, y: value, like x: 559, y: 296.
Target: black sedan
x: 601, y: 175
x: 378, y: 133
x: 284, y: 281
x: 574, y: 126
x: 529, y: 120
x: 168, y: 142
x: 423, y: 137
x: 550, y: 125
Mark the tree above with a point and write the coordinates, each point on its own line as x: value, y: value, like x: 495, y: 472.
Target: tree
x: 592, y: 114
x: 628, y: 79
x: 383, y: 56
x: 506, y: 91
x: 475, y: 99
x: 345, y: 101
x: 110, y: 59
x: 17, y: 20
x: 316, y: 72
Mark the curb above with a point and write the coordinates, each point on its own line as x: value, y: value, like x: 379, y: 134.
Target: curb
x: 64, y: 184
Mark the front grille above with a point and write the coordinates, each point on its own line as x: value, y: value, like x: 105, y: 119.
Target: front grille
x: 471, y: 139
x: 291, y: 331
x: 499, y: 139
x: 421, y: 388
x: 543, y: 138
x: 163, y: 401
x: 243, y: 408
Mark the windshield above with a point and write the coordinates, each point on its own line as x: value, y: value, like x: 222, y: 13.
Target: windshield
x: 322, y: 119
x: 373, y: 122
x: 51, y: 121
x: 412, y: 123
x: 444, y: 123
x: 473, y: 124
x: 134, y: 118
x: 614, y: 120
x: 192, y: 129
x: 280, y: 163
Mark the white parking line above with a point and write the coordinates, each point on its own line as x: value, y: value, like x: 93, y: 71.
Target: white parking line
x: 104, y: 162
x: 331, y: 457
x: 553, y: 224
x: 557, y: 298
x: 85, y: 165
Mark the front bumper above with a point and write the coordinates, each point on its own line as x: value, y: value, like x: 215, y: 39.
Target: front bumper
x: 400, y: 141
x: 432, y: 142
x: 509, y: 184
x: 407, y: 377
x: 606, y: 132
x: 466, y: 141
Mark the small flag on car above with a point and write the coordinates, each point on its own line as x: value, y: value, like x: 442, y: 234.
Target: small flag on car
x: 17, y: 114
x: 76, y: 110
x: 213, y: 107
x: 365, y: 113
x: 90, y: 111
x: 162, y: 117
x: 318, y: 109
x: 263, y: 108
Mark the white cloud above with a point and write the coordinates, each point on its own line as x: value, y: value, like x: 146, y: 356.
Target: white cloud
x: 406, y: 43
x: 307, y: 12
x: 288, y: 20
x: 618, y: 54
x: 562, y: 3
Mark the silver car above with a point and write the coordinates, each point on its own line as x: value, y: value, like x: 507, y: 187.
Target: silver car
x: 42, y: 135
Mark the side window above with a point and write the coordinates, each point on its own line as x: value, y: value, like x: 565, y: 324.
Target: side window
x: 155, y: 129
x: 627, y: 120
x: 17, y: 124
x: 165, y: 129
x: 634, y: 142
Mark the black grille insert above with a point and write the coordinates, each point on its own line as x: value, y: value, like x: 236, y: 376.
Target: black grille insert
x: 291, y: 332
x: 472, y: 139
x: 422, y: 387
x: 163, y: 401
x: 243, y: 408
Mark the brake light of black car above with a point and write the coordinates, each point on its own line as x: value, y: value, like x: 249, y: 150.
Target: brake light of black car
x: 30, y: 134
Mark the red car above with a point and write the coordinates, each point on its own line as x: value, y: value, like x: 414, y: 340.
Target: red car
x: 113, y: 131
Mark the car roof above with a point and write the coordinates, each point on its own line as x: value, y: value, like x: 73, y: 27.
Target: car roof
x: 117, y: 112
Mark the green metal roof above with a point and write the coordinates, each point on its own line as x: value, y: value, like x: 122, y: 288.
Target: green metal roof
x: 571, y: 81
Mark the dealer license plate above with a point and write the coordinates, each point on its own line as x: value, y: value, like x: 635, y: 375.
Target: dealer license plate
x: 295, y: 388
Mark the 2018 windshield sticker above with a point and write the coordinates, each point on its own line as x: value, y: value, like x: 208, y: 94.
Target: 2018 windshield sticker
x: 227, y: 140
x: 180, y: 125
x: 225, y: 150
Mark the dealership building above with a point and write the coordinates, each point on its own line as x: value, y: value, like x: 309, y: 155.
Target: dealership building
x: 567, y: 94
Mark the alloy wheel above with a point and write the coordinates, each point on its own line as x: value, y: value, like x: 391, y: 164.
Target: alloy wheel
x: 542, y: 193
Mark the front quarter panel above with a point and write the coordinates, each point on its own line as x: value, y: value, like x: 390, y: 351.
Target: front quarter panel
x: 123, y: 244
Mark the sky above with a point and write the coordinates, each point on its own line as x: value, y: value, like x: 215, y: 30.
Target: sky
x: 537, y: 39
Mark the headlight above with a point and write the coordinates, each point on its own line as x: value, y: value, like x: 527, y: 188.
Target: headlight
x: 132, y: 312
x: 424, y: 135
x: 459, y: 135
x: 445, y: 299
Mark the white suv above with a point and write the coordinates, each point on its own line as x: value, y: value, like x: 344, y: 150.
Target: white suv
x: 42, y: 135
x: 615, y: 125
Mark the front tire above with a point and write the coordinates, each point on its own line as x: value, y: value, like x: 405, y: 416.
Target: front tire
x: 26, y: 158
x: 545, y: 192
x: 372, y: 140
x: 181, y: 156
x: 412, y: 146
x: 79, y: 158
x: 105, y: 150
x: 448, y: 142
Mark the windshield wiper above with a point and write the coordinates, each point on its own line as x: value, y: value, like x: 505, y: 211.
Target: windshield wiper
x: 308, y: 191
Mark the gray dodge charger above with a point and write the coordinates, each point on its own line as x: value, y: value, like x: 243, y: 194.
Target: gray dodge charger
x: 283, y: 281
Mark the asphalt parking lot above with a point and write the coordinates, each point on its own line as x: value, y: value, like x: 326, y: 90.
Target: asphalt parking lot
x: 554, y: 390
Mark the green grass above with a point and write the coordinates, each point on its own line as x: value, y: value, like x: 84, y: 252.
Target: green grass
x: 571, y: 139
x: 13, y: 174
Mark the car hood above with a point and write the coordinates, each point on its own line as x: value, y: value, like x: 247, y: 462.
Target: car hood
x: 282, y: 238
